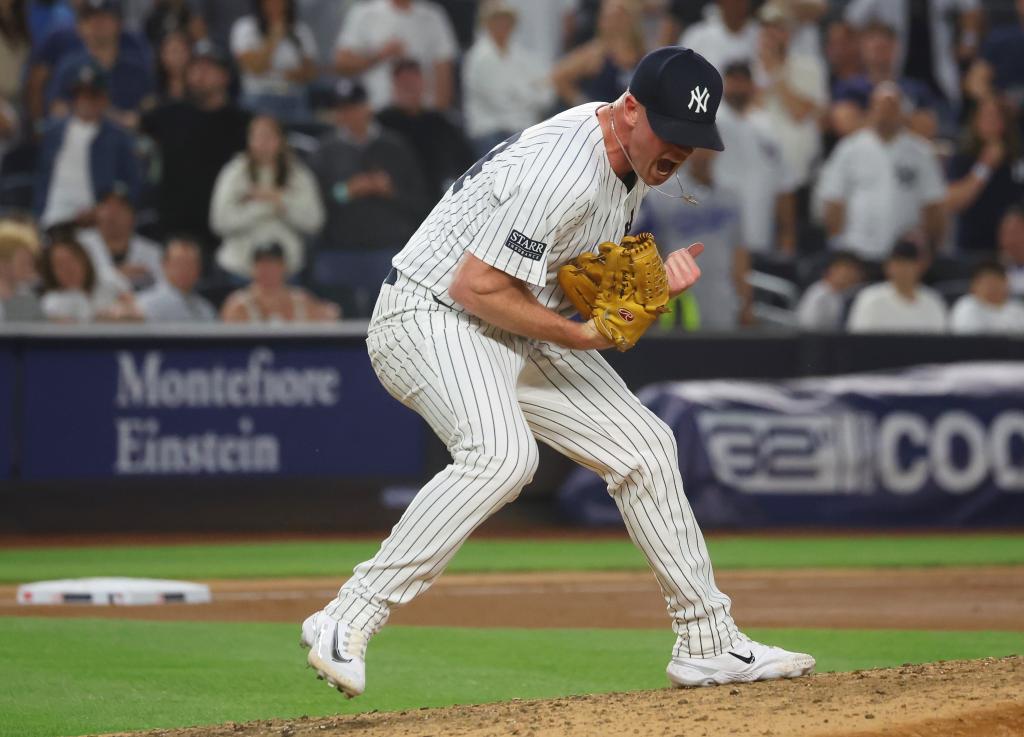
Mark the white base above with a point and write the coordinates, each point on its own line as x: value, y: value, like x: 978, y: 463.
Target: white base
x: 113, y: 592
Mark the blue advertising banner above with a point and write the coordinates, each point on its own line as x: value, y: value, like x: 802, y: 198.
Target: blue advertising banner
x: 926, y: 446
x: 7, y: 419
x: 282, y: 409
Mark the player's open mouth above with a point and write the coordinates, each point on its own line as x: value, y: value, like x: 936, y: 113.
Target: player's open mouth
x: 665, y: 166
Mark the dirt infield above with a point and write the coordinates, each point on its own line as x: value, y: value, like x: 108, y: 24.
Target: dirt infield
x: 935, y: 599
x: 983, y: 698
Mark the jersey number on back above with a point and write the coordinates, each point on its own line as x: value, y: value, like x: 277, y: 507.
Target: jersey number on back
x: 475, y: 169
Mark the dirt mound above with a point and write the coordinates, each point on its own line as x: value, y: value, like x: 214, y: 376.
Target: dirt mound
x: 947, y: 699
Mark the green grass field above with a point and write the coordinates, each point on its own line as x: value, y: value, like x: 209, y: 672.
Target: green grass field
x: 336, y: 558
x: 78, y: 676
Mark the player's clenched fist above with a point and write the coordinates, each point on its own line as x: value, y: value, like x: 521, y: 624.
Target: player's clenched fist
x: 681, y: 268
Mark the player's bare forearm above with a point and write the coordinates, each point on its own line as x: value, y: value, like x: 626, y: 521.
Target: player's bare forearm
x: 506, y: 302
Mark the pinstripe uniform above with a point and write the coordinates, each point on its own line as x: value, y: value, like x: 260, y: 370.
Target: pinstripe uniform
x: 535, y: 202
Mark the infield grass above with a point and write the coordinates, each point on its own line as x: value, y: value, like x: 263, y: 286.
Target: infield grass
x: 336, y: 558
x: 81, y: 676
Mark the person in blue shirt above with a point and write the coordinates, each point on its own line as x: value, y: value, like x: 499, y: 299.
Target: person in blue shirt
x: 98, y: 32
x: 1003, y: 51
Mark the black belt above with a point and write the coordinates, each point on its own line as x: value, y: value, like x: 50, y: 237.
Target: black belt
x: 392, y: 276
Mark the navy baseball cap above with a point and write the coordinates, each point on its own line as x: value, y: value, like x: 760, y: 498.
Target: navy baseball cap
x: 88, y: 75
x: 681, y: 91
x: 92, y: 7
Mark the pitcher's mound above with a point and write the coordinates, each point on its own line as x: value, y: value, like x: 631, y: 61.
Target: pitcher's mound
x: 946, y: 699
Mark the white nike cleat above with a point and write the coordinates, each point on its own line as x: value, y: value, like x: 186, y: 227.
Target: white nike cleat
x: 746, y: 660
x: 337, y: 654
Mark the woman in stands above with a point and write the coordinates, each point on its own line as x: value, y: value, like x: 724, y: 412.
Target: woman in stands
x: 72, y: 292
x: 264, y: 195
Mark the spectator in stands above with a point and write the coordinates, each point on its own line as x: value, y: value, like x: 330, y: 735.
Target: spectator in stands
x: 881, y: 183
x: 15, y: 44
x: 851, y: 98
x: 986, y: 176
x: 277, y: 55
x: 98, y: 21
x: 725, y: 37
x: 677, y: 17
x: 752, y: 167
x: 842, y: 53
x: 723, y: 302
x: 264, y: 195
x: 805, y: 18
x: 172, y: 70
x: 504, y: 88
x: 1003, y: 54
x: 120, y: 255
x: 793, y: 92
x: 988, y: 308
x: 19, y: 244
x: 440, y: 145
x: 195, y: 138
x: 823, y: 306
x: 545, y: 28
x: 83, y: 154
x: 378, y: 32
x: 72, y: 290
x: 174, y: 16
x: 601, y: 68
x: 269, y: 298
x: 900, y: 304
x: 370, y: 178
x: 927, y: 31
x: 172, y: 66
x: 1011, y: 248
x: 130, y: 82
x: 172, y: 298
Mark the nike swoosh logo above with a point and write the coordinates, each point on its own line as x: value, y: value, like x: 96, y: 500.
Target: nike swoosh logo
x: 748, y: 660
x: 443, y: 304
x: 335, y: 652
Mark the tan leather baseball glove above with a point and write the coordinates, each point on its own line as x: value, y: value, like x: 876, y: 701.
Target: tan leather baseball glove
x: 622, y: 287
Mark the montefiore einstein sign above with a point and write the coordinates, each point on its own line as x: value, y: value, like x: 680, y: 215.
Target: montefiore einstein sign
x: 161, y: 411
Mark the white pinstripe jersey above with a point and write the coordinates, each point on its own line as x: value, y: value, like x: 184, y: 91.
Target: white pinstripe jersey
x: 537, y: 200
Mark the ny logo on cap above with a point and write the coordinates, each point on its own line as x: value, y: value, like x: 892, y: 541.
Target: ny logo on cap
x: 700, y: 97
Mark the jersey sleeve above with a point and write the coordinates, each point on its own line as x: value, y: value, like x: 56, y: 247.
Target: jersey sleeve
x: 933, y: 184
x: 518, y: 237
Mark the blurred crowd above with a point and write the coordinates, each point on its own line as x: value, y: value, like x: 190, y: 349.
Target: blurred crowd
x: 263, y: 160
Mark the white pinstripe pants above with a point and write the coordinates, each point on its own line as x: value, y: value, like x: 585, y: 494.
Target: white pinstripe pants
x: 488, y: 394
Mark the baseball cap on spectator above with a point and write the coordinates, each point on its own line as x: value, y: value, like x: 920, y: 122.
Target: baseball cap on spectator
x: 92, y: 7
x: 117, y: 189
x: 346, y: 92
x: 681, y: 91
x: 272, y: 250
x: 85, y: 76
x: 207, y: 50
x: 905, y: 251
x: 773, y: 13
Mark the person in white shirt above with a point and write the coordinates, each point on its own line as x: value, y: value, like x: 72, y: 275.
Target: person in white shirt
x: 264, y: 194
x: 73, y: 291
x: 918, y: 24
x: 793, y: 91
x: 900, y: 304
x: 1011, y: 248
x: 882, y: 183
x: 724, y: 37
x: 504, y: 88
x: 172, y: 299
x: 544, y: 28
x: 753, y: 168
x: 988, y: 308
x: 277, y: 57
x: 822, y: 307
x: 378, y: 32
x: 119, y: 254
